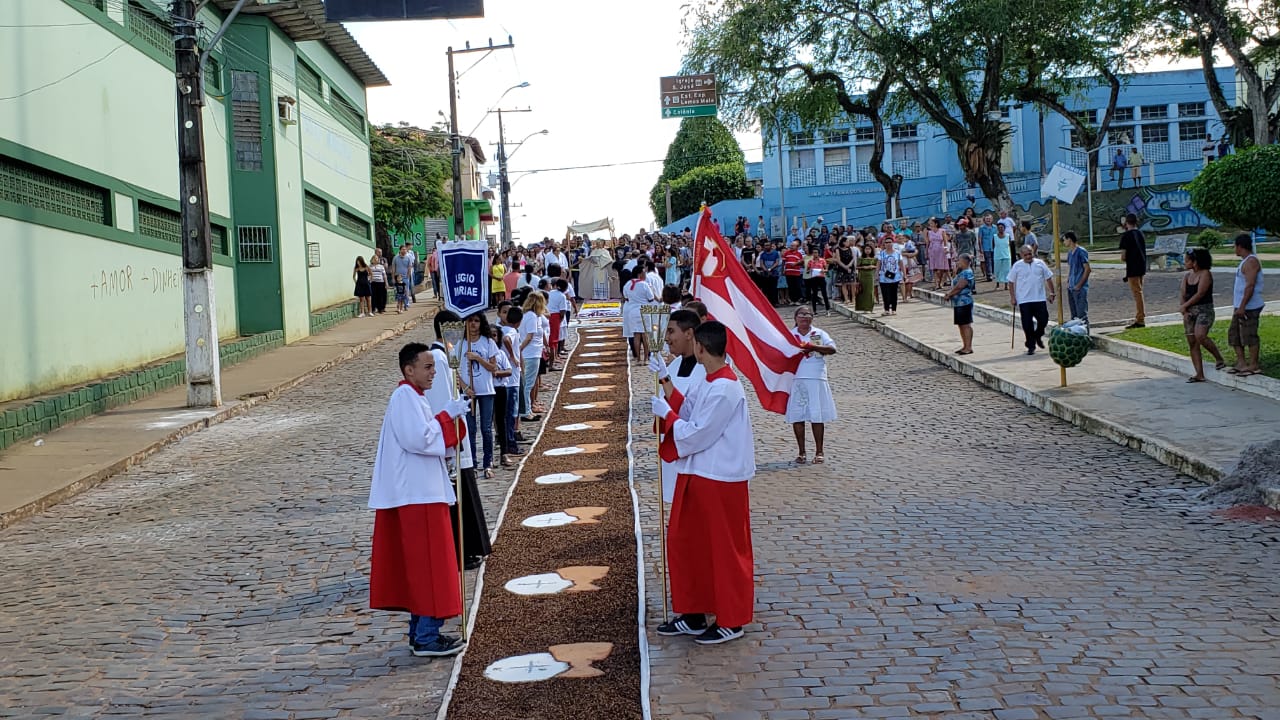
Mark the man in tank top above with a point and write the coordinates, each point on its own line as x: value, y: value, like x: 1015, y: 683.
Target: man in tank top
x: 1247, y: 303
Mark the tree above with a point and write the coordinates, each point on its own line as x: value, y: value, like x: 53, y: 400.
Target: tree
x: 709, y: 184
x: 1241, y: 189
x: 700, y: 142
x: 411, y: 173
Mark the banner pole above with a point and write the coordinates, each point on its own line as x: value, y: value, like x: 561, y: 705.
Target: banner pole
x: 462, y: 535
x: 662, y: 515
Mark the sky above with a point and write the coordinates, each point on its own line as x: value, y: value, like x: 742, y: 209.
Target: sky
x: 593, y: 69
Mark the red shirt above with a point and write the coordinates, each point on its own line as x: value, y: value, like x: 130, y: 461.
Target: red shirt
x: 792, y: 263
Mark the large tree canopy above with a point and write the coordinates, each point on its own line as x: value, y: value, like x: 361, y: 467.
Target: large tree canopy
x: 700, y: 142
x: 411, y: 172
x: 1241, y: 189
x: 950, y: 62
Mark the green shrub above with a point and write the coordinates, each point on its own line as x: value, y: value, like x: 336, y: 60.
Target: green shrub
x: 1210, y: 239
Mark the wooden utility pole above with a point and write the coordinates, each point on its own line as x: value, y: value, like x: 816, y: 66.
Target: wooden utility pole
x: 204, y: 386
x: 456, y: 138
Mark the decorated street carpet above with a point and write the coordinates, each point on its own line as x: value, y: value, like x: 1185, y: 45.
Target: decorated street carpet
x: 600, y: 312
x: 556, y: 634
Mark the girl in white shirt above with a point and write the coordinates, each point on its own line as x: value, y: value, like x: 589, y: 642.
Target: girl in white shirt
x: 477, y: 356
x: 530, y: 353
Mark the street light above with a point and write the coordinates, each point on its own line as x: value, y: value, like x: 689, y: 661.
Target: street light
x: 1088, y: 178
x: 496, y: 103
x: 522, y: 142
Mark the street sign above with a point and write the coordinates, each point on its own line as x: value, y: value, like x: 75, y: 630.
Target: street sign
x: 690, y: 111
x: 362, y: 10
x: 688, y: 96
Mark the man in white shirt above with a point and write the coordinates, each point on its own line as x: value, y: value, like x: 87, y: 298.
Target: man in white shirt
x: 1030, y: 284
x: 709, y: 439
x: 684, y: 371
x: 1007, y: 222
x: 414, y: 559
x: 411, y: 279
x: 558, y: 257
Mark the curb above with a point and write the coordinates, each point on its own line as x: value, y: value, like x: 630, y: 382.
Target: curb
x: 243, y: 405
x: 1178, y: 458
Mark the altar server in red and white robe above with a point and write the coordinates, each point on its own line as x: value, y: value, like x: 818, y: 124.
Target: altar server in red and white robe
x: 684, y: 371
x: 709, y: 541
x: 414, y: 565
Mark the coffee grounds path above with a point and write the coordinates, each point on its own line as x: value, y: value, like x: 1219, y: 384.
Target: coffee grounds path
x: 507, y: 624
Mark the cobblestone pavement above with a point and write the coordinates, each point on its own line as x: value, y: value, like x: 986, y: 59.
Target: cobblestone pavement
x: 225, y: 577
x: 962, y: 556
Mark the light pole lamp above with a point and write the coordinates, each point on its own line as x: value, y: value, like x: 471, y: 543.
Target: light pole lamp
x: 505, y: 185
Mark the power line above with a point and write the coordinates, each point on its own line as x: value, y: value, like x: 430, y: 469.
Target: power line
x: 71, y: 74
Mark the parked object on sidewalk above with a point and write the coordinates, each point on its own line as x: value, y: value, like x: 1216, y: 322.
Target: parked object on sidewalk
x: 1069, y: 346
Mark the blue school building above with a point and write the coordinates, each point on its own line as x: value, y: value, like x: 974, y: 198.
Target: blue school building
x: 1166, y: 116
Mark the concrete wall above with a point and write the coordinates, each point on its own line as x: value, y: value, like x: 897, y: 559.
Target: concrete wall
x: 331, y: 283
x: 89, y: 308
x: 294, y: 279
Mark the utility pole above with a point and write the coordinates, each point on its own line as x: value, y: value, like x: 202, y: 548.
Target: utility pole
x: 204, y: 385
x: 503, y: 182
x: 669, y: 218
x: 454, y: 137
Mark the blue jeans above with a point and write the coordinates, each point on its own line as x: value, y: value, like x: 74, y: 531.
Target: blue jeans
x: 424, y: 629
x: 1079, y: 303
x: 485, y: 404
x: 528, y: 376
x: 513, y: 411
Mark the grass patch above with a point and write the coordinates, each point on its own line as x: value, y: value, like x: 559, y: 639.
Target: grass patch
x: 1170, y: 337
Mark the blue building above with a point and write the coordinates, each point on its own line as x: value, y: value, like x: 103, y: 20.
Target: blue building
x: 823, y: 173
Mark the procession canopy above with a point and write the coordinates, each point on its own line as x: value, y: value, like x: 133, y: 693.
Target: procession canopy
x: 597, y: 226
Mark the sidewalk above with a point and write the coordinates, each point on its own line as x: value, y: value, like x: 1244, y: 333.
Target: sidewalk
x: 74, y: 458
x: 1199, y: 429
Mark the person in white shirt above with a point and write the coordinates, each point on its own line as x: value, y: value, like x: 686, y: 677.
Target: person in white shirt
x: 684, y: 371
x: 638, y: 292
x: 557, y: 256
x: 510, y: 323
x: 1030, y: 284
x: 410, y: 280
x: 530, y: 352
x: 653, y: 276
x: 810, y: 400
x: 477, y: 364
x: 709, y: 438
x: 414, y: 558
x: 474, y: 531
x: 557, y: 306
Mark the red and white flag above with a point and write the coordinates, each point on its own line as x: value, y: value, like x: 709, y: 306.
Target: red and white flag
x: 761, y: 346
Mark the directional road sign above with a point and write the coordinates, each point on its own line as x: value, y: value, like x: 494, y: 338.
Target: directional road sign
x: 688, y: 96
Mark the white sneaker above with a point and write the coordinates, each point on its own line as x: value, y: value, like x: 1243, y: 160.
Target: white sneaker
x: 360, y: 315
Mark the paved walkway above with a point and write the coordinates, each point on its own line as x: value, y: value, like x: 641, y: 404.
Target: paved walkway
x: 1201, y: 428
x: 224, y: 577
x: 962, y: 556
x: 72, y: 458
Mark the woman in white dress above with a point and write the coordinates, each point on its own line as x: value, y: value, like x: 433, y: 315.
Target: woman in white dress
x: 638, y: 292
x: 810, y: 399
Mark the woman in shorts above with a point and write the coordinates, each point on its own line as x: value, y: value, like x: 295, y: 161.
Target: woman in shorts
x: 1197, y: 311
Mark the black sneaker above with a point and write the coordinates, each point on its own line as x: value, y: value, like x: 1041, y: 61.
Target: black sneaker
x: 1040, y: 343
x: 684, y: 625
x: 442, y: 646
x: 1135, y: 325
x: 716, y: 635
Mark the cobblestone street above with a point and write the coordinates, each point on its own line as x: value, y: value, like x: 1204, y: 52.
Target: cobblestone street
x: 962, y: 556
x: 225, y: 577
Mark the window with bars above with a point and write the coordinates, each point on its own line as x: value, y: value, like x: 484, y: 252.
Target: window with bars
x: 25, y: 184
x: 1088, y: 117
x: 1120, y: 135
x: 835, y: 137
x: 159, y: 223
x: 864, y: 134
x: 313, y: 255
x: 1191, y: 109
x: 309, y: 80
x: 345, y: 111
x: 904, y: 131
x: 253, y: 243
x: 1155, y: 112
x: 802, y: 137
x: 148, y: 27
x: 353, y: 224
x: 316, y: 207
x: 1193, y: 130
x: 1122, y: 114
x: 218, y: 238
x: 213, y: 75
x: 1155, y: 134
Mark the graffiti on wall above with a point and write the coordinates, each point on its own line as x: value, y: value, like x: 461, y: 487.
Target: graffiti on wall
x: 1160, y: 209
x: 115, y: 282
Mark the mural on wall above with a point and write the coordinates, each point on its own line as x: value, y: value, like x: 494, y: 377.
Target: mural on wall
x: 1161, y: 209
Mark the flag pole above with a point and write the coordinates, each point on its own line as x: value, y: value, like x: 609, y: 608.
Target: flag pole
x: 662, y: 514
x: 456, y: 329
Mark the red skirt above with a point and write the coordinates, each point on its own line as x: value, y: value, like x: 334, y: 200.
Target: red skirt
x: 555, y: 319
x: 415, y: 563
x: 709, y: 550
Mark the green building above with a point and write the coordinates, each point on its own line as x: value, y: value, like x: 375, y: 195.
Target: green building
x: 89, y: 218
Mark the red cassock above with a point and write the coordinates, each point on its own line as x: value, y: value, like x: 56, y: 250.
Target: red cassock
x: 555, y: 329
x: 709, y: 533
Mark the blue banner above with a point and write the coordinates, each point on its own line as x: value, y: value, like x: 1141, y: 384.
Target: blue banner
x: 464, y: 270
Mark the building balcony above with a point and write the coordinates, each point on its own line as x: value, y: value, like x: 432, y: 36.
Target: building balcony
x: 1156, y: 152
x: 839, y: 175
x: 864, y: 174
x: 804, y: 177
x: 1191, y: 150
x: 908, y: 169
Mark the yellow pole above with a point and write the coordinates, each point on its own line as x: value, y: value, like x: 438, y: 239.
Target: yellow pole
x: 662, y: 518
x: 462, y: 571
x: 1057, y: 270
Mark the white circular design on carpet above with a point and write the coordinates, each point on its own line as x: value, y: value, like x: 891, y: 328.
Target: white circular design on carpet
x: 595, y: 354
x: 556, y: 452
x: 541, y: 584
x: 596, y: 345
x: 555, y: 519
x: 525, y: 668
x: 587, y: 376
x: 573, y: 426
x: 580, y: 406
x: 590, y: 389
x: 557, y: 478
